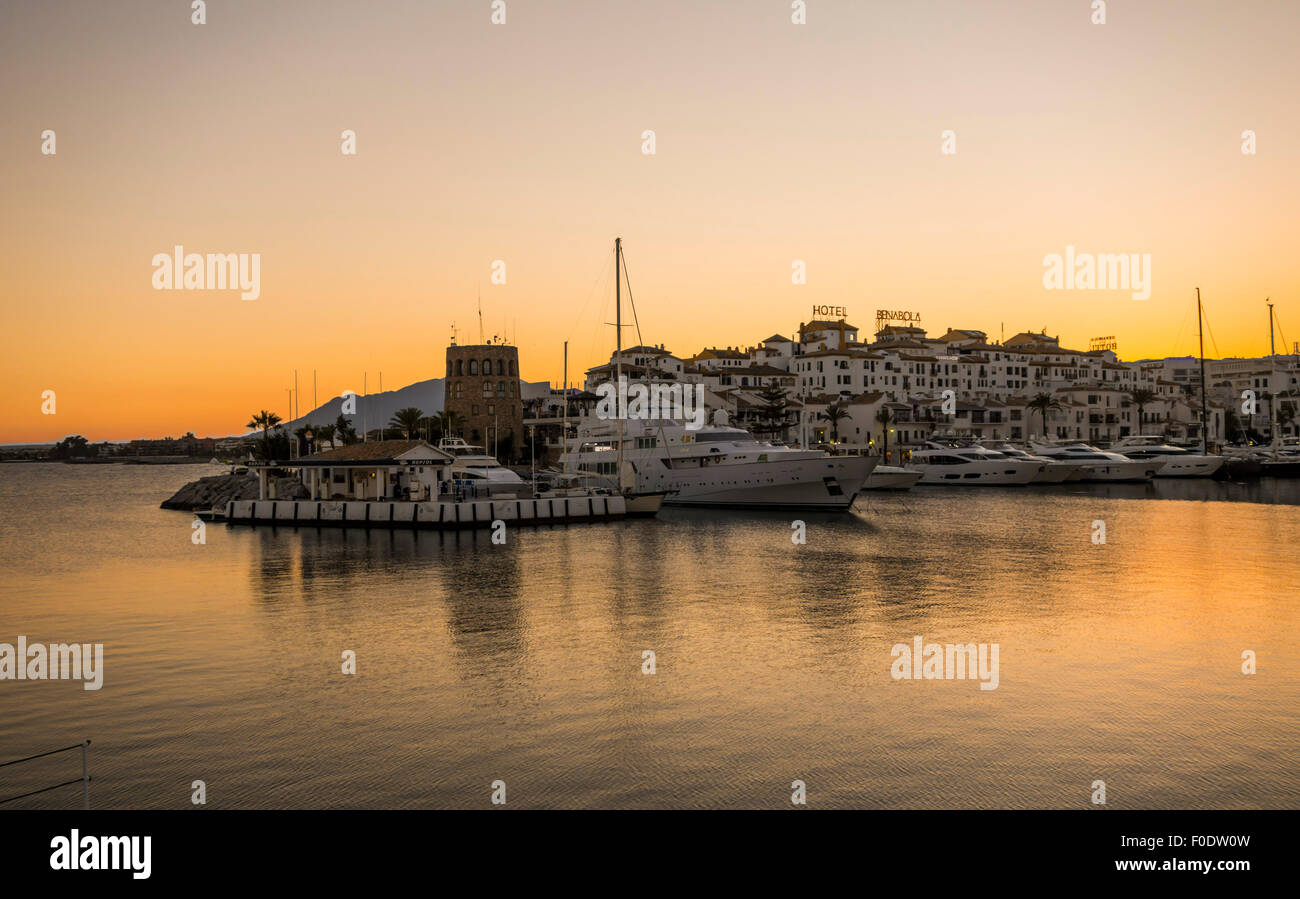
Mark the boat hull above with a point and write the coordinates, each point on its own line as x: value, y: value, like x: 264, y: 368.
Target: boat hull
x: 978, y: 474
x: 826, y: 483
x: 888, y: 477
x: 643, y: 505
x: 1055, y: 473
x: 1192, y: 467
x: 1280, y: 469
x: 1122, y: 471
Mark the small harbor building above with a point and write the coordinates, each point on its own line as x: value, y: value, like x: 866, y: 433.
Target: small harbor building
x: 378, y: 470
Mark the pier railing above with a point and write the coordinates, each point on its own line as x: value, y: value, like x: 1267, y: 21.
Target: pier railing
x: 84, y: 779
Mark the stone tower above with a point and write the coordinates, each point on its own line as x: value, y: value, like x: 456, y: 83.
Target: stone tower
x: 482, y: 388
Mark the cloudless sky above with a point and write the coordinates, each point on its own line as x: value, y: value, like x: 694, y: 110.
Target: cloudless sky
x: 522, y: 143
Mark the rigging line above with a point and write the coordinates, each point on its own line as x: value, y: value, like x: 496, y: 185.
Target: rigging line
x: 628, y: 280
x: 1213, y: 342
x: 1283, y: 333
x: 596, y: 282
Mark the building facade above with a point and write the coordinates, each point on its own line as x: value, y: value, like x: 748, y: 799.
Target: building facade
x: 483, y: 390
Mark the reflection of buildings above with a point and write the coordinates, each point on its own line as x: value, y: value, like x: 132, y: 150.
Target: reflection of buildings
x: 483, y: 390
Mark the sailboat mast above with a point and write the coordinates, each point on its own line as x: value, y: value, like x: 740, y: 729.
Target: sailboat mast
x: 1205, y: 412
x: 1272, y: 363
x: 618, y: 350
x: 564, y: 432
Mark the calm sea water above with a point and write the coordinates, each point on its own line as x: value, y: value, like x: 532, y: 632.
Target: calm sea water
x: 523, y: 663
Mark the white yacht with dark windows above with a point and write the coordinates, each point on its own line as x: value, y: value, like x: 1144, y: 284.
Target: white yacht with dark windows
x: 1100, y: 465
x: 480, y: 471
x: 1055, y: 471
x: 718, y: 465
x: 1179, y: 462
x: 971, y: 465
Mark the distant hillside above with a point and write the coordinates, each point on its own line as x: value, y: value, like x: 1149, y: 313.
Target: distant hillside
x: 378, y: 409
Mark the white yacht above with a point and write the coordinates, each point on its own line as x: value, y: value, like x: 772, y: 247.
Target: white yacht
x: 1055, y: 471
x: 481, y: 472
x: 891, y: 477
x: 971, y: 465
x: 1099, y: 464
x: 1179, y: 463
x: 718, y: 465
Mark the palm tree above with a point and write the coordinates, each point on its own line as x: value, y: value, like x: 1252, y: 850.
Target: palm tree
x: 322, y: 434
x: 1044, y: 402
x: 407, y: 420
x: 448, y: 422
x: 773, y: 413
x: 427, y: 425
x: 885, y: 419
x: 1285, y: 415
x: 264, y: 420
x: 347, y: 434
x: 1141, y: 396
x: 834, y: 413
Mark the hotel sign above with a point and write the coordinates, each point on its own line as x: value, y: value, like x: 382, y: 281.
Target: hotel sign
x: 885, y: 316
x: 833, y: 311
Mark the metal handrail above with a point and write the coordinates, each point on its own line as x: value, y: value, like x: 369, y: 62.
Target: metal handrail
x: 84, y: 780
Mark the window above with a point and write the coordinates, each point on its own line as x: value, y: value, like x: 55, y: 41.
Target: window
x: 512, y: 368
x: 487, y: 366
x: 473, y: 366
x: 492, y: 409
x: 460, y: 366
x: 501, y: 389
x: 460, y: 390
x: 474, y: 411
x: 487, y: 389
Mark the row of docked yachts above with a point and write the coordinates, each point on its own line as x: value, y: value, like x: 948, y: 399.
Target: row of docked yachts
x: 721, y: 466
x: 1001, y: 463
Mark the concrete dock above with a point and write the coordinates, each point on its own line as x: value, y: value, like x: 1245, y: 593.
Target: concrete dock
x: 403, y: 514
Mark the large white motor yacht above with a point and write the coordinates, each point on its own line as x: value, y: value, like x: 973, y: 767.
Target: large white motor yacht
x: 1100, y: 464
x: 1179, y: 462
x: 480, y: 471
x: 970, y: 466
x: 1054, y: 471
x: 718, y: 465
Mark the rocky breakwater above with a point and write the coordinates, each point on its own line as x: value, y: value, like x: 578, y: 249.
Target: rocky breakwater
x: 214, y: 492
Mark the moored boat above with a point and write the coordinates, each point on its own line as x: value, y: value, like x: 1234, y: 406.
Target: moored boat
x: 1179, y: 462
x: 891, y: 477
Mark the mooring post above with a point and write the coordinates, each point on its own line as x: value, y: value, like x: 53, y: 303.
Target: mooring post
x: 85, y: 778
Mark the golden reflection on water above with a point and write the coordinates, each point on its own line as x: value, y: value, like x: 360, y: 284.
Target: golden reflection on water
x: 523, y: 662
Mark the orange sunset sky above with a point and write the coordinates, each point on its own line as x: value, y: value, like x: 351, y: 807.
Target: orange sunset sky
x: 522, y: 142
